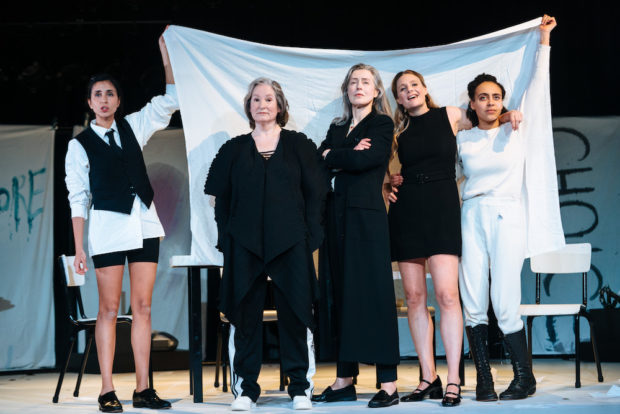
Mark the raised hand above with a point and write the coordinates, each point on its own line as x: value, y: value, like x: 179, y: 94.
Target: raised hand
x: 547, y: 24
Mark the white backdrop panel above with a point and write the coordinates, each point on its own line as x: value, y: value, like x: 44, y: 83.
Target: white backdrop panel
x: 26, y: 247
x: 212, y: 73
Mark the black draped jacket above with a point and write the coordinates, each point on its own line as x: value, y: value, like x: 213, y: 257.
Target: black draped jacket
x: 263, y: 209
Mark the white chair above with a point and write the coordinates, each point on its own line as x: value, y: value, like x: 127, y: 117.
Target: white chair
x: 573, y: 258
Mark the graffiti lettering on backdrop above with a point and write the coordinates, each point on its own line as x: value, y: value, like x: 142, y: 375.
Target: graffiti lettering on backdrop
x: 19, y: 200
x: 570, y: 199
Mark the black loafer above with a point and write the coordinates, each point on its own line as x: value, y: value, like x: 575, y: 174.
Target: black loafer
x: 434, y: 391
x: 343, y: 394
x: 109, y: 403
x: 148, y: 398
x: 382, y: 399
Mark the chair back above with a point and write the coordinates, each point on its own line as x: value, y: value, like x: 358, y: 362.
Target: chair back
x: 572, y: 258
x: 72, y: 281
x: 72, y: 278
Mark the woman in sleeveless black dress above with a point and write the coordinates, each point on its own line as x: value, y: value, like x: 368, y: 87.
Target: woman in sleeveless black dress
x: 425, y: 225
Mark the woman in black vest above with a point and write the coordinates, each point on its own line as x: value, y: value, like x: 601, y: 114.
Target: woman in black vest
x: 104, y: 163
x: 356, y: 152
x: 268, y: 197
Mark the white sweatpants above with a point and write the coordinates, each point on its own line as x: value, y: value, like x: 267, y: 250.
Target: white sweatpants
x: 493, y: 234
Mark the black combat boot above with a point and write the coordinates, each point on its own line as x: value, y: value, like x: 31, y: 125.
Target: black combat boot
x: 478, y: 346
x: 524, y: 383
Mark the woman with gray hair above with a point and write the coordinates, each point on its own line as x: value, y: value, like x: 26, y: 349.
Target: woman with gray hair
x: 268, y: 198
x: 357, y: 284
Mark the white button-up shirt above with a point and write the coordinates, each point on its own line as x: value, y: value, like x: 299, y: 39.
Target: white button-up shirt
x: 110, y: 231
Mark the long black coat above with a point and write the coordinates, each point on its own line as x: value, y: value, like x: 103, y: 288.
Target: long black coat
x: 268, y: 214
x: 359, y: 274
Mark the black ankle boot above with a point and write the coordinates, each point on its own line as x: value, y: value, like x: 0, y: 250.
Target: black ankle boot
x: 478, y: 338
x: 524, y: 383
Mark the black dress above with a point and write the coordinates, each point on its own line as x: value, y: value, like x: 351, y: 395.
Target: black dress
x: 425, y: 220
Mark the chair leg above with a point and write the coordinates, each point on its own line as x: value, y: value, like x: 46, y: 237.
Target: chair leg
x: 151, y: 368
x: 594, y: 346
x: 434, y: 344
x: 577, y: 354
x: 89, y: 342
x: 281, y: 376
x: 462, y: 364
x: 218, y: 356
x: 530, y: 320
x: 64, y: 369
x: 225, y: 359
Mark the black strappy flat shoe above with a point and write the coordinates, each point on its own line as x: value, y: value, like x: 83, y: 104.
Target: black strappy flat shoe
x: 434, y: 391
x: 451, y: 399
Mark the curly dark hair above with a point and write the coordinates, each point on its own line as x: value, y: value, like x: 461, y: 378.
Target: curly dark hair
x: 471, y: 92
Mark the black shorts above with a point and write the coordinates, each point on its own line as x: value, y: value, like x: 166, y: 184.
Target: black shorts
x: 148, y: 253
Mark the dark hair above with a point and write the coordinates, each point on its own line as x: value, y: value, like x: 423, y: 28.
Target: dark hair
x: 282, y: 116
x: 471, y: 92
x: 100, y: 77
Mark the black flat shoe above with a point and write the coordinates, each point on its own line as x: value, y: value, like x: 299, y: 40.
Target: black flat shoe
x: 148, y: 398
x: 451, y: 399
x: 109, y: 403
x: 382, y: 399
x: 343, y: 394
x: 434, y: 391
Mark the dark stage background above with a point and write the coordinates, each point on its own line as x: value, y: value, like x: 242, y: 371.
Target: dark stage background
x: 48, y: 50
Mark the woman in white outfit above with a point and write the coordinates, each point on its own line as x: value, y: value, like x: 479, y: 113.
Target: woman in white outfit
x: 107, y: 180
x: 494, y: 220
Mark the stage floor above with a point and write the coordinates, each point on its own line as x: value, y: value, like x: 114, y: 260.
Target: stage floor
x: 555, y: 391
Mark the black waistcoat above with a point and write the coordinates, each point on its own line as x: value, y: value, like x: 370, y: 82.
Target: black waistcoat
x: 116, y: 179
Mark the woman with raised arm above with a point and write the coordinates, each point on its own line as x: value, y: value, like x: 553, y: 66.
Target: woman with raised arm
x: 105, y: 163
x: 268, y: 200
x: 356, y: 152
x: 499, y: 204
x: 425, y: 225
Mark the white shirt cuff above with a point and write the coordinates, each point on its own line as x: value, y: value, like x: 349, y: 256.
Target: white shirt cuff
x: 78, y: 210
x: 171, y: 89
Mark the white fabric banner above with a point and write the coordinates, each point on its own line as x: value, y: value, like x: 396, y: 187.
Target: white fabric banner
x: 26, y: 247
x: 213, y: 72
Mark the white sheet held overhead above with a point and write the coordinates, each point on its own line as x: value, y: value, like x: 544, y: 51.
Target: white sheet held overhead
x: 212, y: 74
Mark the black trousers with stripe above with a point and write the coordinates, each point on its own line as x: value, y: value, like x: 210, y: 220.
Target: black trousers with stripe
x: 246, y: 344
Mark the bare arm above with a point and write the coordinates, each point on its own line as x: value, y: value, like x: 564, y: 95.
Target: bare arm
x: 458, y: 119
x: 166, y: 59
x: 78, y: 235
